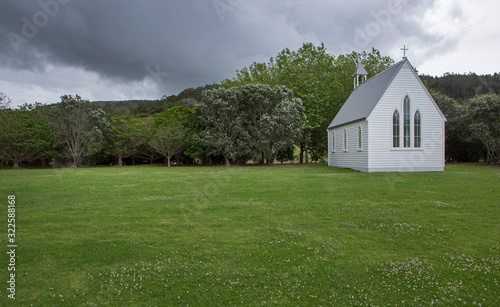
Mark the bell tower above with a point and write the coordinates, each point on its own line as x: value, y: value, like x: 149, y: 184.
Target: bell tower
x: 359, y: 75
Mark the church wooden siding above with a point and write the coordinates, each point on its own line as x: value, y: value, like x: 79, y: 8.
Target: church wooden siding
x: 382, y: 156
x: 352, y: 158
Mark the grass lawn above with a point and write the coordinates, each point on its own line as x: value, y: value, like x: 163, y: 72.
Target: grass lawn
x: 302, y: 235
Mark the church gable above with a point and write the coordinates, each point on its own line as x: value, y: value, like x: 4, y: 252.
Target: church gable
x: 406, y: 83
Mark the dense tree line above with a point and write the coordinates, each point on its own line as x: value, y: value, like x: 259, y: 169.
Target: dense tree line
x: 472, y: 127
x: 236, y: 124
x: 470, y: 134
x: 262, y: 115
x: 460, y: 96
x: 463, y: 87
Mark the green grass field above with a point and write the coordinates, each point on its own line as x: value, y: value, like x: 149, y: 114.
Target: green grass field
x: 297, y: 235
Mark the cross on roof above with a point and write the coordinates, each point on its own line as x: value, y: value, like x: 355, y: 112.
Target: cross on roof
x: 404, y: 51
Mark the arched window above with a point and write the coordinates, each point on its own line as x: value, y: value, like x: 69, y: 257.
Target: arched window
x: 406, y: 122
x: 417, y: 130
x: 345, y: 140
x: 360, y: 140
x: 395, y: 129
x: 332, y: 140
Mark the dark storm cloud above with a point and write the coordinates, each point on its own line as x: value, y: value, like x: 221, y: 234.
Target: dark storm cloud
x: 189, y: 43
x: 111, y: 38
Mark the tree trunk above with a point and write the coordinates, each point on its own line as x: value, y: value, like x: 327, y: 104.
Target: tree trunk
x: 15, y: 165
x: 227, y: 161
x: 168, y: 161
x: 75, y: 162
x: 42, y: 162
x: 306, y: 153
x: 120, y: 160
x: 301, y: 155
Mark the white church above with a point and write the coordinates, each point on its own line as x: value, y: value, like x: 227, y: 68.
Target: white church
x: 390, y: 123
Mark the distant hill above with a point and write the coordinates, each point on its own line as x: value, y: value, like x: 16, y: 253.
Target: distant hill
x: 121, y: 103
x: 462, y: 87
x: 136, y: 107
x: 188, y: 97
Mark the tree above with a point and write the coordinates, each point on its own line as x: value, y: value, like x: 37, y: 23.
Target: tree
x: 484, y: 112
x: 285, y: 153
x: 274, y: 118
x: 5, y: 102
x: 459, y: 145
x: 124, y: 137
x: 169, y: 139
x: 42, y: 115
x: 309, y: 73
x: 257, y: 100
x: 24, y: 134
x: 282, y: 127
x: 145, y: 149
x: 186, y: 117
x: 77, y: 126
x: 452, y: 110
x: 221, y: 121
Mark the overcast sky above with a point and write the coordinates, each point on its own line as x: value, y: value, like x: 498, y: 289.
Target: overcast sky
x: 119, y: 50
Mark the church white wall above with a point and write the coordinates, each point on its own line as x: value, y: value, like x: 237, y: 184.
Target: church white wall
x: 382, y: 157
x: 353, y: 157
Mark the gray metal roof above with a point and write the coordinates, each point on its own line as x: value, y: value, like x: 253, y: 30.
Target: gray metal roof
x: 365, y: 97
x: 360, y: 70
